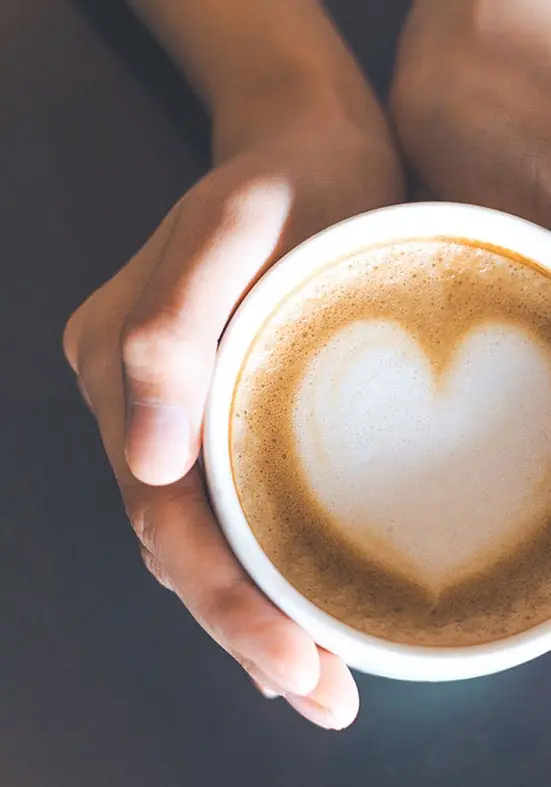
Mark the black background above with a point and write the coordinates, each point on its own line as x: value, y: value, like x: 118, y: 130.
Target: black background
x: 104, y: 678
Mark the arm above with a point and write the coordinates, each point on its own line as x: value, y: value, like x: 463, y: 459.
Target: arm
x: 256, y: 61
x: 471, y: 102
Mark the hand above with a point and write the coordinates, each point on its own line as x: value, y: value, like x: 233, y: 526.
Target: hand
x: 472, y: 102
x: 143, y: 347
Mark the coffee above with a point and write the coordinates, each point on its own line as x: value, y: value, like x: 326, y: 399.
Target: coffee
x: 391, y: 441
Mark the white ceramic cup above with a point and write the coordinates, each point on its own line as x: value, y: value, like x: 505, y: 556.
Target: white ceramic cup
x: 388, y: 225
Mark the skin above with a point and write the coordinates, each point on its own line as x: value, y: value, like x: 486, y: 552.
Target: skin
x: 471, y: 102
x: 299, y: 143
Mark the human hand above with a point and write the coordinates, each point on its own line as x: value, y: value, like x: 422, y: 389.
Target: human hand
x: 471, y: 100
x: 143, y: 347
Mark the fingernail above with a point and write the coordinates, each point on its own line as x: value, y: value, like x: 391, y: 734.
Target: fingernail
x: 314, y: 712
x: 280, y: 682
x: 267, y: 693
x: 262, y: 681
x: 158, y: 441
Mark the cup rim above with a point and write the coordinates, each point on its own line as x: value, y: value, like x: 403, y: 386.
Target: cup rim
x: 394, y: 224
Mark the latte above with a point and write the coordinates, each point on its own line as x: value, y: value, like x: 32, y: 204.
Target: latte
x: 391, y: 441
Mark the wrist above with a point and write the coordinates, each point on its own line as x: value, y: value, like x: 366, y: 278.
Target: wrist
x: 266, y: 105
x: 307, y: 121
x: 329, y: 89
x: 259, y: 63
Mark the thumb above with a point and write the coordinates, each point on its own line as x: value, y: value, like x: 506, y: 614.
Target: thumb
x: 222, y: 238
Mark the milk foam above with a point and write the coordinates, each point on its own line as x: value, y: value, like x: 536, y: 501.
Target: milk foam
x: 391, y: 441
x: 436, y: 476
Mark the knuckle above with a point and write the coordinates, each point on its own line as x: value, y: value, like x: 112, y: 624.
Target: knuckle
x: 141, y: 517
x: 149, y: 561
x: 152, y: 344
x: 70, y: 344
x: 162, y: 351
x: 151, y: 516
x: 144, y: 528
x: 99, y: 370
x: 77, y: 328
x: 155, y: 568
x: 72, y: 338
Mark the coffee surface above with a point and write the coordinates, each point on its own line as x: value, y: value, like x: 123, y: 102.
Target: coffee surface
x: 391, y: 441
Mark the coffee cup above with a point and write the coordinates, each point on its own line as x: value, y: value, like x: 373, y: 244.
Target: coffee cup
x: 401, y: 366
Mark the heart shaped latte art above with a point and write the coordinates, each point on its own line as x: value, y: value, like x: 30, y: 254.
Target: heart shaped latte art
x: 435, y: 476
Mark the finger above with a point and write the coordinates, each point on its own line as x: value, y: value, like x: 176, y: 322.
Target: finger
x: 184, y: 548
x: 220, y: 241
x: 334, y: 703
x: 189, y: 554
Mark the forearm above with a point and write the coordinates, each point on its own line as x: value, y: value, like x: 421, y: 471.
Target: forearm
x: 252, y: 60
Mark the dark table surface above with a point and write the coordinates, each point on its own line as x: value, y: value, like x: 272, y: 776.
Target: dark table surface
x: 104, y: 678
